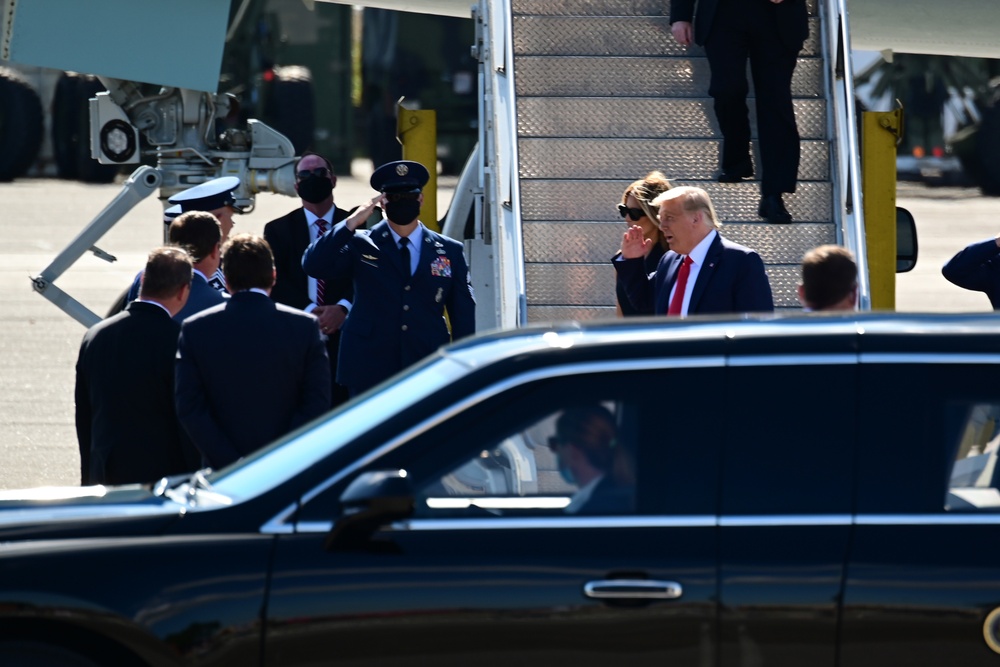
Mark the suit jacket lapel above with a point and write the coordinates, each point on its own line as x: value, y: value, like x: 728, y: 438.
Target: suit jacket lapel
x: 299, y: 241
x: 705, y: 273
x: 300, y: 233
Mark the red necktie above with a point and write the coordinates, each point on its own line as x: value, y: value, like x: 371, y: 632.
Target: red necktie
x: 682, y: 281
x: 320, y: 284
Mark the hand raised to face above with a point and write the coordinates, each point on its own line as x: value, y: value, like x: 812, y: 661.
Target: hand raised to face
x: 634, y: 244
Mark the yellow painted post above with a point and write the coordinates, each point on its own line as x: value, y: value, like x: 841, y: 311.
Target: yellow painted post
x: 880, y: 133
x: 417, y: 132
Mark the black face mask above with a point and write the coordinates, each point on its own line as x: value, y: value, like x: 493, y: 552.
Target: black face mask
x: 402, y: 212
x: 315, y: 189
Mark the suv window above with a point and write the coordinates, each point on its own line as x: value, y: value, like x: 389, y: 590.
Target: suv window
x: 577, y: 460
x: 500, y: 455
x: 975, y: 476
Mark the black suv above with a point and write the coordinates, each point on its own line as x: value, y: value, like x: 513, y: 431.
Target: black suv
x: 801, y: 490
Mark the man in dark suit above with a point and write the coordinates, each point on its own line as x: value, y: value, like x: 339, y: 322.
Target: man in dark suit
x: 290, y: 235
x: 405, y: 278
x: 585, y: 444
x: 770, y: 33
x: 977, y: 267
x: 126, y: 424
x: 200, y: 234
x: 702, y: 272
x: 249, y: 370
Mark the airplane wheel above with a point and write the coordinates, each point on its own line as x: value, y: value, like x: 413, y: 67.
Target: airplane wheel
x: 291, y: 106
x: 66, y: 110
x: 71, y: 130
x: 20, y: 125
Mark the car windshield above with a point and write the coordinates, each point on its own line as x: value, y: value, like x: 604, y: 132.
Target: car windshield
x: 305, y: 447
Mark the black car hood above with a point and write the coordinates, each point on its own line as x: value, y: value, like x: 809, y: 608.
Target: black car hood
x: 93, y: 511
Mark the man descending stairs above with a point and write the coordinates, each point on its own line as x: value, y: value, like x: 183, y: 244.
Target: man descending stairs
x: 605, y: 95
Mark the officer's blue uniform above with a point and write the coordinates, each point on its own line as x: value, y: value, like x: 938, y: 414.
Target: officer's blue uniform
x: 397, y: 318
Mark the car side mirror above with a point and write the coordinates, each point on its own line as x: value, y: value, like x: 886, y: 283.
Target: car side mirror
x: 906, y: 241
x: 371, y: 501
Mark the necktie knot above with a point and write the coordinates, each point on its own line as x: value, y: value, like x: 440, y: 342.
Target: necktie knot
x: 321, y: 226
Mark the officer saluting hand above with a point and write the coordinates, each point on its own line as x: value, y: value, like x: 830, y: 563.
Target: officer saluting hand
x: 405, y: 277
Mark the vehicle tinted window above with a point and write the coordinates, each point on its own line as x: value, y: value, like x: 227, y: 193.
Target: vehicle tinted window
x: 789, y: 439
x: 517, y: 452
x: 577, y: 460
x: 974, y: 482
x: 918, y: 421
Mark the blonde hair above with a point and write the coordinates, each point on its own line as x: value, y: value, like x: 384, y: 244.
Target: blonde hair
x: 646, y: 189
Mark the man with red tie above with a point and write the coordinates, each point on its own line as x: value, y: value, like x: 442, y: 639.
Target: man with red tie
x: 290, y: 235
x: 702, y: 273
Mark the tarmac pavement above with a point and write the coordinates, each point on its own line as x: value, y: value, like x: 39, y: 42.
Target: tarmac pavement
x: 39, y: 343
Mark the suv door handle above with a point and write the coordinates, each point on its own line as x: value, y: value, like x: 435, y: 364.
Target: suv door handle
x: 634, y: 589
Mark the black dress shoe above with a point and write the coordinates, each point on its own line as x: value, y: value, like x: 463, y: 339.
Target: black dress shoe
x: 736, y: 173
x: 773, y: 210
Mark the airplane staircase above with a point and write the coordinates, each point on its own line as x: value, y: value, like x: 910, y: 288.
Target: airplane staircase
x: 604, y: 94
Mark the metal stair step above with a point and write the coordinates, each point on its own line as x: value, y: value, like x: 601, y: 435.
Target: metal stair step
x: 595, y: 200
x: 603, y: 7
x: 647, y: 118
x: 594, y: 284
x: 612, y: 35
x: 595, y: 242
x: 574, y: 76
x: 696, y: 159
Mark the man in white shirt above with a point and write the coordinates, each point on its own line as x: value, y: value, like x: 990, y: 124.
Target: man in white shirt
x: 290, y: 235
x: 702, y: 273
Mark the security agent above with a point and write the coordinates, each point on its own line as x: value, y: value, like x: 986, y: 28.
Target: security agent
x: 405, y: 277
x: 218, y: 197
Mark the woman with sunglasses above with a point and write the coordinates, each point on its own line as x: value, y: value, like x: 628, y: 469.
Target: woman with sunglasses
x: 636, y: 210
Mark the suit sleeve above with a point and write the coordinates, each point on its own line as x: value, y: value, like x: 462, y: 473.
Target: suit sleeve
x: 285, y: 264
x: 637, y: 283
x: 681, y: 10
x: 976, y: 267
x: 461, y: 303
x: 83, y: 416
x: 331, y: 257
x: 315, y: 398
x: 752, y: 289
x: 194, y: 412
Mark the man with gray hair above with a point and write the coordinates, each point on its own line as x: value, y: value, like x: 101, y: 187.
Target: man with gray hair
x: 126, y: 423
x: 702, y: 273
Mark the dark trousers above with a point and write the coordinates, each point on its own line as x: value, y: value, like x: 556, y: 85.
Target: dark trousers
x: 745, y: 30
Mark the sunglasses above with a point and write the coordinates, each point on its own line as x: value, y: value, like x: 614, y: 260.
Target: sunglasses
x: 322, y: 172
x: 632, y: 213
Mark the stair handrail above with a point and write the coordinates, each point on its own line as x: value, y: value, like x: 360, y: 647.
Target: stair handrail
x: 846, y: 155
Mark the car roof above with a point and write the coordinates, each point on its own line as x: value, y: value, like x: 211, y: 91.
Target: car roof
x: 779, y: 333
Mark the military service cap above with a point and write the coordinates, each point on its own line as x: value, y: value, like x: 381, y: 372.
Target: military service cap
x: 400, y: 176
